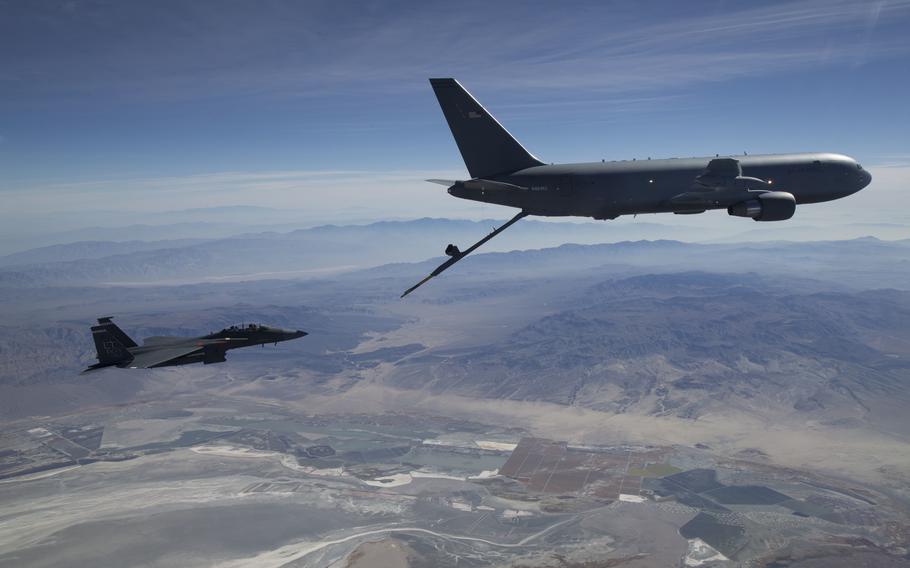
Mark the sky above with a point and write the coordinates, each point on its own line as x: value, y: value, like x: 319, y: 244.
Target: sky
x: 108, y: 107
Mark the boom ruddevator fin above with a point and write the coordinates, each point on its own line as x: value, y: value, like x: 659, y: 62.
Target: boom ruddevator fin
x: 456, y: 254
x: 487, y: 148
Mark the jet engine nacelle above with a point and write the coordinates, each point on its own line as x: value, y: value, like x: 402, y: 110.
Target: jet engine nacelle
x: 768, y: 206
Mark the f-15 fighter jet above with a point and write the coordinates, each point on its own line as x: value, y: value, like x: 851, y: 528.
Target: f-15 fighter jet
x: 116, y: 349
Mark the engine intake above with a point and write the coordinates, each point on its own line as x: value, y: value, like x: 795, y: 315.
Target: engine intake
x: 768, y: 206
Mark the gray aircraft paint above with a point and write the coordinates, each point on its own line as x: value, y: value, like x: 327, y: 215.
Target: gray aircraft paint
x: 605, y: 190
x: 115, y: 348
x: 764, y: 188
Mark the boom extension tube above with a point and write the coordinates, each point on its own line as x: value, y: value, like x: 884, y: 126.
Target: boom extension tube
x: 457, y: 255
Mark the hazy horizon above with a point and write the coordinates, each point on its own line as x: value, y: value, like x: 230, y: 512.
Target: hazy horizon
x: 122, y: 110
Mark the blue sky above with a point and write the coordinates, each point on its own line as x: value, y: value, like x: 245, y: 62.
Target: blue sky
x: 160, y: 105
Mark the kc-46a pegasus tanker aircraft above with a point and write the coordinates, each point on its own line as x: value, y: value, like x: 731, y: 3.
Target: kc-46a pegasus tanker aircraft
x: 116, y: 348
x: 765, y: 188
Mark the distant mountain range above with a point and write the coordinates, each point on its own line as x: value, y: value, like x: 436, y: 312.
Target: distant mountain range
x: 687, y: 344
x: 816, y: 329
x: 88, y: 250
x: 298, y: 253
x: 332, y: 249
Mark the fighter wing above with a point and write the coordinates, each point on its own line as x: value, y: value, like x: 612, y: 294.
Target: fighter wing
x: 220, y: 340
x: 163, y: 356
x: 161, y: 339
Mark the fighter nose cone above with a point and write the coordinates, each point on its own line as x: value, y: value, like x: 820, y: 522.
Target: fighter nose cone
x: 299, y: 333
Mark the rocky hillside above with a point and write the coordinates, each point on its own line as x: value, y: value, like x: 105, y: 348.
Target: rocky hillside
x: 691, y: 343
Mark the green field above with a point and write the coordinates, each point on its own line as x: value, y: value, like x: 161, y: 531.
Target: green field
x: 654, y: 470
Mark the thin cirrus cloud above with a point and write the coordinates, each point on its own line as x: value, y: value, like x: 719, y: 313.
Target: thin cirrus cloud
x: 355, y: 72
x: 137, y: 51
x: 720, y: 46
x: 383, y: 193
